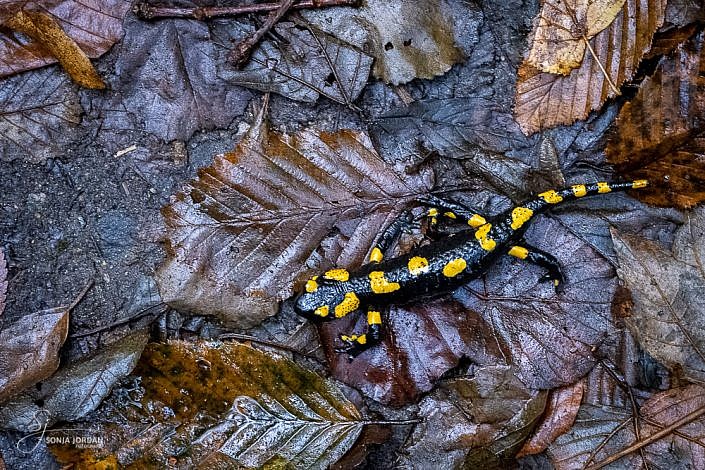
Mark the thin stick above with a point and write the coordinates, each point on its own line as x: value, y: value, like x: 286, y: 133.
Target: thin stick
x: 692, y: 416
x: 152, y: 12
x: 599, y: 64
x: 241, y: 53
x: 80, y: 296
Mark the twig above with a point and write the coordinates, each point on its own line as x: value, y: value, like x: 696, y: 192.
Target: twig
x: 153, y: 12
x: 80, y: 296
x: 692, y: 416
x: 241, y: 53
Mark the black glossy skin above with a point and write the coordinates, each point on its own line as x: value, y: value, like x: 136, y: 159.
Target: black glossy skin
x: 463, y: 244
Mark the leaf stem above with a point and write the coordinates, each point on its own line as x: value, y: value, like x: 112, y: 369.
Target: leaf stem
x: 602, y: 68
x: 153, y: 12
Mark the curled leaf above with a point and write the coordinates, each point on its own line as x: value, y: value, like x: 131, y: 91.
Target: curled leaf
x: 248, y: 228
x: 545, y: 100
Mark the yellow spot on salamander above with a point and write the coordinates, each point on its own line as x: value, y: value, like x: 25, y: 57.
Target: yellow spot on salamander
x: 450, y: 215
x: 337, y: 275
x: 432, y: 212
x: 520, y: 215
x: 376, y: 256
x: 374, y: 317
x: 311, y: 285
x: 349, y: 304
x: 636, y: 184
x: 418, y: 265
x: 603, y: 187
x: 321, y: 311
x: 551, y: 197
x: 380, y: 285
x: 360, y: 339
x: 476, y: 221
x: 579, y: 190
x: 519, y: 251
x: 486, y: 243
x: 455, y: 267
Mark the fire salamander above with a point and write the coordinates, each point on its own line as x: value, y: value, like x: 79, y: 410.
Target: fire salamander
x: 436, y: 268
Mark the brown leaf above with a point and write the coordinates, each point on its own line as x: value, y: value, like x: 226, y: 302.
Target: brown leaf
x: 545, y: 100
x: 476, y: 422
x: 668, y: 318
x: 242, y: 233
x: 563, y: 29
x: 661, y: 132
x: 29, y: 349
x: 46, y: 31
x: 94, y: 26
x: 3, y: 281
x: 561, y: 410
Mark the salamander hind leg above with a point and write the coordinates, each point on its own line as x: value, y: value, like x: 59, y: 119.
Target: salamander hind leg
x: 438, y: 207
x: 533, y: 255
x: 356, y: 344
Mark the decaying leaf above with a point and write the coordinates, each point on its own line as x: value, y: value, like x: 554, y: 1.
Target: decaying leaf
x: 563, y: 30
x: 3, y: 281
x: 75, y: 390
x: 232, y: 406
x: 93, y: 25
x: 545, y: 100
x: 668, y: 318
x: 40, y: 115
x: 561, y: 409
x: 29, y: 349
x: 477, y: 422
x: 242, y: 233
x: 408, y: 39
x: 49, y: 35
x: 453, y: 127
x: 661, y: 132
x: 303, y: 65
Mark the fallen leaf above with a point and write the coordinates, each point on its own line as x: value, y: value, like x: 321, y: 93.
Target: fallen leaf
x: 563, y: 30
x: 40, y: 115
x: 232, y: 406
x: 561, y: 410
x: 249, y: 227
x: 94, y: 26
x: 29, y: 349
x: 668, y: 318
x: 408, y: 39
x: 75, y: 390
x: 303, y: 65
x: 661, y: 132
x: 3, y: 281
x: 47, y: 33
x: 545, y: 100
x: 477, y: 422
x: 453, y: 127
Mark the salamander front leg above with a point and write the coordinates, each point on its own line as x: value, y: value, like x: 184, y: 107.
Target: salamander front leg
x: 543, y: 259
x: 403, y: 223
x: 356, y: 344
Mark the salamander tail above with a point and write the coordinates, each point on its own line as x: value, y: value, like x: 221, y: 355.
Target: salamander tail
x: 549, y: 198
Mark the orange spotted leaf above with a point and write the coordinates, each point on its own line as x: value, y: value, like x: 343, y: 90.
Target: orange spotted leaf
x: 660, y: 134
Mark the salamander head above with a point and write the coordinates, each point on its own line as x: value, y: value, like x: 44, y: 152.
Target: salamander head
x: 325, y: 299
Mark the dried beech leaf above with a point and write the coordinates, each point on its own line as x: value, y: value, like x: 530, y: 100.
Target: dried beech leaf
x: 3, y: 281
x: 75, y: 390
x: 477, y: 423
x: 545, y: 100
x: 561, y: 410
x: 29, y: 349
x: 661, y: 132
x: 305, y: 64
x: 668, y: 318
x: 93, y: 25
x: 599, y: 430
x: 40, y: 115
x: 408, y: 39
x: 453, y: 127
x: 564, y: 27
x: 234, y: 407
x: 242, y: 233
x: 47, y: 32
